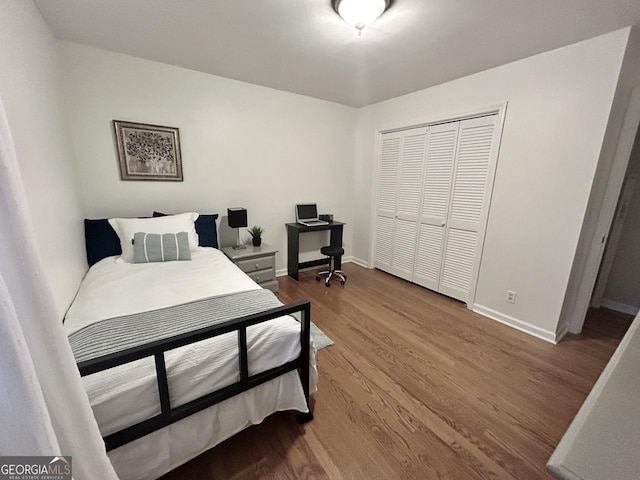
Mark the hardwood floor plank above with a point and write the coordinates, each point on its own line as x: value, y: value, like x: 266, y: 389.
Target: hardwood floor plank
x: 419, y: 387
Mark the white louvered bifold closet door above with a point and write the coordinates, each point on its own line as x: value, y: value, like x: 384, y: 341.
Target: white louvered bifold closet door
x: 434, y: 192
x: 398, y: 256
x: 408, y: 203
x: 438, y: 170
x: 387, y: 193
x: 473, y: 174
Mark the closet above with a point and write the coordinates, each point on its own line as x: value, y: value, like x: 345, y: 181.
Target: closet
x: 434, y: 187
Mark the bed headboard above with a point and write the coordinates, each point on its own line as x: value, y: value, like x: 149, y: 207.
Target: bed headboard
x: 102, y: 241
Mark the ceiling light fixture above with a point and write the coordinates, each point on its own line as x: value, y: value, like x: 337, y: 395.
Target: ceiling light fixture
x: 360, y: 13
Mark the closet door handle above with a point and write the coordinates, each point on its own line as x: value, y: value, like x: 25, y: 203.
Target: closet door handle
x: 443, y: 224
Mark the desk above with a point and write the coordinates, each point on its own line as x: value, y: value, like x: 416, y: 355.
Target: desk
x: 293, y: 245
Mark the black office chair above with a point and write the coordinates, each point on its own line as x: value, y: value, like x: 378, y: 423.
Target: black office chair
x: 332, y: 253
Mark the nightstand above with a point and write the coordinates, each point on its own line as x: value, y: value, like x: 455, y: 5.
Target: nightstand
x: 257, y: 262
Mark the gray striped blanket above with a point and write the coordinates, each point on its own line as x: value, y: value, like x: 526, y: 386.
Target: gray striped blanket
x: 119, y: 333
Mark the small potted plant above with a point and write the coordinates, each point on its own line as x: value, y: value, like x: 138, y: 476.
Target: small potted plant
x: 256, y: 235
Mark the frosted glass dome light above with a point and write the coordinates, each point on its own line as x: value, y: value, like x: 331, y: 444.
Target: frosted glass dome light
x: 360, y: 13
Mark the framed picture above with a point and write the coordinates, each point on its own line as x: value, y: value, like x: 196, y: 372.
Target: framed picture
x: 148, y: 152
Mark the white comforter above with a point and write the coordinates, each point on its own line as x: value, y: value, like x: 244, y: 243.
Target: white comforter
x: 128, y: 394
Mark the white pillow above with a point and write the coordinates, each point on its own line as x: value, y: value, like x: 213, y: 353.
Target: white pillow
x: 126, y: 228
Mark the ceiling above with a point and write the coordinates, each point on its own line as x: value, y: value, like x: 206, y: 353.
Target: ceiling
x: 302, y: 46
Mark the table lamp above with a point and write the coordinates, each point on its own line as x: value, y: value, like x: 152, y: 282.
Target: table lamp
x: 237, y: 218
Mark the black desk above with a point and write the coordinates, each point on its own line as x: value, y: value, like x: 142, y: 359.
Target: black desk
x: 293, y: 245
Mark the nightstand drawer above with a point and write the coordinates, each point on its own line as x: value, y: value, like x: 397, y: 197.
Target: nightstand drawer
x: 262, y: 276
x: 255, y: 264
x: 259, y: 263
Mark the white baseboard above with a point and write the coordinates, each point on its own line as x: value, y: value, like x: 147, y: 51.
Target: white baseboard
x: 541, y: 333
x: 360, y: 262
x: 563, y: 331
x: 619, y: 307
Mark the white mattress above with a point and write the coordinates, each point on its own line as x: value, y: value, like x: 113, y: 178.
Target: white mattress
x: 125, y: 395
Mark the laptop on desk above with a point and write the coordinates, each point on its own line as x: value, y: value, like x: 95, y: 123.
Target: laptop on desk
x: 307, y: 214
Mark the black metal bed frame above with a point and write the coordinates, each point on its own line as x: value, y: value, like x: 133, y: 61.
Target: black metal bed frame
x: 157, y: 350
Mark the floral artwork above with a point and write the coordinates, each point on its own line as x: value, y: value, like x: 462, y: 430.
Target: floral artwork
x: 148, y: 152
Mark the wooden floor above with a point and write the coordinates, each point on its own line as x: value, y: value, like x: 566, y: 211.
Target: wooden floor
x: 419, y: 387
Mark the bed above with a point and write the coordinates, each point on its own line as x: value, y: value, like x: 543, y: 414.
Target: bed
x: 162, y: 393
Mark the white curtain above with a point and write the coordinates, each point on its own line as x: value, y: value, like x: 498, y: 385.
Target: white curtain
x: 43, y: 407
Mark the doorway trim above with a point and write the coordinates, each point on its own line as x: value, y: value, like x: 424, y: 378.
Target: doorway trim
x: 582, y: 299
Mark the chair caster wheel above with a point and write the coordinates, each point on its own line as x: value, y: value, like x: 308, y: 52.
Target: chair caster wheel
x: 327, y: 284
x: 342, y: 282
x: 317, y: 278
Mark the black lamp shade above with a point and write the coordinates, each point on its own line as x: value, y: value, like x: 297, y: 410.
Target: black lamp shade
x: 237, y: 217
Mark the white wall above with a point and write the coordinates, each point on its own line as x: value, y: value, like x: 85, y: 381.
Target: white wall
x: 29, y: 88
x: 558, y: 108
x: 242, y: 145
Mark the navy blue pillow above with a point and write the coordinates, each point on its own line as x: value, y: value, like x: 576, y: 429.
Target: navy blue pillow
x: 205, y: 228
x: 100, y: 239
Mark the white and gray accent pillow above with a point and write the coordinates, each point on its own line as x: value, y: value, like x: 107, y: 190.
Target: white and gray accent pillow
x: 160, y: 247
x: 126, y: 227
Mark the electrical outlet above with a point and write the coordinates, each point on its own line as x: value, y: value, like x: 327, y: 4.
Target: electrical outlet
x: 511, y: 296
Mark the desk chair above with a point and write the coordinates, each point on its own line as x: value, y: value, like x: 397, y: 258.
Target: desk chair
x: 332, y: 253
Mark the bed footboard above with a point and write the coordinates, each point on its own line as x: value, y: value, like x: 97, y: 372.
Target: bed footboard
x: 246, y: 382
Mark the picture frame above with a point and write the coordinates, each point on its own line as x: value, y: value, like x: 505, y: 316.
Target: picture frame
x: 148, y: 152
